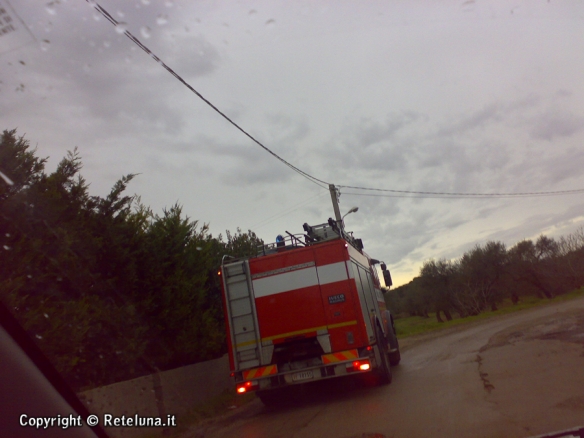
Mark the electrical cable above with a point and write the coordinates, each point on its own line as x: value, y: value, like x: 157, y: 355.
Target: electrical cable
x: 112, y: 20
x: 451, y: 195
x: 442, y: 197
x: 311, y: 178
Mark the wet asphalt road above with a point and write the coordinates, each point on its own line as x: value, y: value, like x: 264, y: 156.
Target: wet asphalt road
x: 518, y: 375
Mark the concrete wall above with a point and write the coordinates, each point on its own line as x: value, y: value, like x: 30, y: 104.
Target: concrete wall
x: 170, y: 392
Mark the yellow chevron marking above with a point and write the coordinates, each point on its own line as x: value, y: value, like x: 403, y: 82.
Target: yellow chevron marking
x: 299, y: 332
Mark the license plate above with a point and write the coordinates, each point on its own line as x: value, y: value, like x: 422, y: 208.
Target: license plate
x: 304, y: 375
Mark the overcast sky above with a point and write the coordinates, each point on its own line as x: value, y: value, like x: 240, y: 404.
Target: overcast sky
x: 442, y: 96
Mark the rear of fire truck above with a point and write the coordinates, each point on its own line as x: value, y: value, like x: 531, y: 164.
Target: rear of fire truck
x: 306, y: 308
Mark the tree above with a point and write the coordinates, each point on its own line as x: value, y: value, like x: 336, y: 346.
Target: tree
x: 96, y: 267
x: 49, y: 275
x: 19, y: 164
x: 571, y: 258
x: 532, y: 266
x: 174, y: 267
x: 437, y: 278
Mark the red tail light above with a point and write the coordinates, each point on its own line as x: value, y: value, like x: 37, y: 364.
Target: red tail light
x: 360, y: 365
x: 250, y: 385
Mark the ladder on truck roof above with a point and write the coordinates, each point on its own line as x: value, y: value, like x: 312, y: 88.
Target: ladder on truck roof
x: 245, y: 334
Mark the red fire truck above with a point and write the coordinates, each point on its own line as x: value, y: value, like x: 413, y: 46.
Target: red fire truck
x: 307, y: 307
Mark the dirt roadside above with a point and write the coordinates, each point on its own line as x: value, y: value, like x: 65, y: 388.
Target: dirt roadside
x: 536, y: 367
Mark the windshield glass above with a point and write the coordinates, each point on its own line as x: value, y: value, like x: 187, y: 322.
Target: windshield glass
x: 143, y: 141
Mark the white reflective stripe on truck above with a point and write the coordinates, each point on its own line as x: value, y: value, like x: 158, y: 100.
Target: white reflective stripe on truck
x: 299, y: 279
x: 332, y: 273
x: 288, y: 281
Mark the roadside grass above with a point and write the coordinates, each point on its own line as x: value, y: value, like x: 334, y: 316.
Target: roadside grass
x: 415, y: 325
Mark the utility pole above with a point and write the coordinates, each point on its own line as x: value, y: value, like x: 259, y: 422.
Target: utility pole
x: 335, y: 199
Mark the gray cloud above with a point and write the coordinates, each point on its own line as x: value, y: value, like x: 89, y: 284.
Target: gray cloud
x: 314, y: 89
x: 555, y: 124
x: 372, y: 145
x: 369, y: 132
x: 245, y: 162
x: 492, y: 113
x: 533, y: 225
x: 104, y: 77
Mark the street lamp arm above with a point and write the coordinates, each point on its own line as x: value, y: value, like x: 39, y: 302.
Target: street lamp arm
x: 352, y: 210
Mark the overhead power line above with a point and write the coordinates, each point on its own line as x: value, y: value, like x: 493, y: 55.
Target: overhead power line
x: 320, y: 182
x: 112, y: 20
x: 420, y: 194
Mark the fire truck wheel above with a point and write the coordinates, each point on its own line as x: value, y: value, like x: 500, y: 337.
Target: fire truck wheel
x: 383, y: 371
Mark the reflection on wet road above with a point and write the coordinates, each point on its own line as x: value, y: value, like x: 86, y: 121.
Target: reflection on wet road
x: 519, y: 375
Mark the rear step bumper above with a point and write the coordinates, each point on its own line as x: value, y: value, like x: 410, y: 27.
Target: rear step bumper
x: 309, y: 374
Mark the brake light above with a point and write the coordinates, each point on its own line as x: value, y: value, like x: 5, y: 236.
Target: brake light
x: 360, y: 365
x: 250, y: 385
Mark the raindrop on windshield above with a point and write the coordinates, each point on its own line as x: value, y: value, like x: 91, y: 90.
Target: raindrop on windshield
x: 252, y: 13
x: 168, y: 3
x: 7, y: 234
x: 96, y: 16
x: 121, y: 27
x: 107, y: 44
x: 50, y: 9
x: 271, y: 23
x: 6, y: 247
x: 121, y: 14
x: 45, y: 45
x: 6, y: 179
x: 145, y: 2
x: 162, y: 19
x: 46, y: 316
x: 38, y: 336
x: 145, y: 32
x: 29, y: 276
